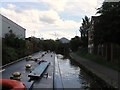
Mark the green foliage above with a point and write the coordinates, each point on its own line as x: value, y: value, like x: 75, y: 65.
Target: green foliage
x: 98, y: 59
x: 11, y: 40
x: 75, y: 43
x: 52, y: 45
x: 84, y: 30
x: 49, y: 45
x: 13, y: 48
x: 62, y: 48
x: 108, y: 27
x: 8, y: 55
x: 106, y: 30
x: 56, y: 46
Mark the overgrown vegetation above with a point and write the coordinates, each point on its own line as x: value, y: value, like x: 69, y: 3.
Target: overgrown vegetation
x: 98, y: 59
x: 104, y: 41
x: 12, y: 48
x: 15, y: 47
x: 108, y: 27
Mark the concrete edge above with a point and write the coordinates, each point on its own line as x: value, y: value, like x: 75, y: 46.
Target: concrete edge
x: 91, y: 73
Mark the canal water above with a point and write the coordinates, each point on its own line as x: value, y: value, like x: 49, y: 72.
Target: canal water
x: 68, y: 74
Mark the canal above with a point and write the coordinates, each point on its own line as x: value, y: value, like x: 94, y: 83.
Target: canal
x: 68, y: 74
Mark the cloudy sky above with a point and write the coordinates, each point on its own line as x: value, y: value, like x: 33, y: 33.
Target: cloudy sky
x: 49, y: 19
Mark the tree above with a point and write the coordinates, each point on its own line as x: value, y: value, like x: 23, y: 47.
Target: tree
x: 84, y: 30
x: 62, y: 48
x: 109, y: 23
x: 49, y: 45
x: 13, y: 47
x: 75, y: 43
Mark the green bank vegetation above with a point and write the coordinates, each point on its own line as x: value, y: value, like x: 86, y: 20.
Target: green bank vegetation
x: 105, y: 31
x: 14, y: 47
x: 98, y: 59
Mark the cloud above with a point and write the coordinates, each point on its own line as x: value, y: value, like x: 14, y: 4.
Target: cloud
x: 8, y: 1
x: 99, y: 3
x: 49, y: 21
x: 49, y: 16
x: 57, y: 5
x: 58, y: 34
x: 11, y: 6
x: 81, y: 7
x: 42, y: 22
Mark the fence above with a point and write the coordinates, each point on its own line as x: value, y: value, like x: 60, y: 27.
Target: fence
x: 110, y: 51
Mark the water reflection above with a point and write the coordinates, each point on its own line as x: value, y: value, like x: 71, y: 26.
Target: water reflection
x: 75, y: 77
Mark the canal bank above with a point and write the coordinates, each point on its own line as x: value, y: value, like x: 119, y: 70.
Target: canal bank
x: 69, y: 75
x: 108, y: 75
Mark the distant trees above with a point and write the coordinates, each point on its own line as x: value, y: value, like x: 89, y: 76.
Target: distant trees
x: 15, y: 47
x: 75, y: 43
x: 62, y: 48
x: 49, y: 45
x: 56, y: 46
x: 33, y: 45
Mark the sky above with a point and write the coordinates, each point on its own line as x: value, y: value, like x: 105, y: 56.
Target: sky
x: 49, y: 19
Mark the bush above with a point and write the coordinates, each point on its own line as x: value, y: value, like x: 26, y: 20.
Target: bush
x: 8, y: 55
x: 13, y: 48
x: 98, y: 59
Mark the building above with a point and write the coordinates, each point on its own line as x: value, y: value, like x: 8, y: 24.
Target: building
x: 109, y: 50
x: 94, y: 20
x: 8, y: 25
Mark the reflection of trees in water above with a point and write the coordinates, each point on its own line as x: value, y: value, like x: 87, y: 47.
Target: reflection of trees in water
x: 73, y: 63
x: 90, y: 81
x: 87, y: 80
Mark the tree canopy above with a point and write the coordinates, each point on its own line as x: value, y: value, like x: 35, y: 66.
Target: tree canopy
x: 75, y: 43
x: 108, y: 27
x: 84, y: 30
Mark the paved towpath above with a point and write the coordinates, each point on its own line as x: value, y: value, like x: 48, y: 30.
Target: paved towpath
x: 110, y: 76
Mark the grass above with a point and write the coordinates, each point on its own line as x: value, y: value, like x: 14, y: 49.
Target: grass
x: 99, y: 60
